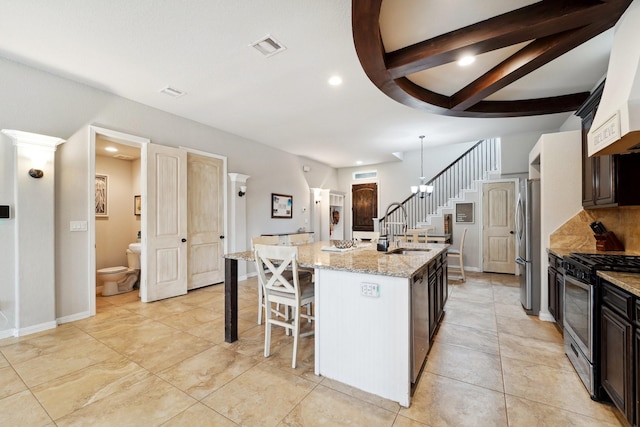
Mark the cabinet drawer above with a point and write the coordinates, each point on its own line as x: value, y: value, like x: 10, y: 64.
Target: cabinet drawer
x: 637, y: 310
x: 618, y: 300
x: 553, y: 261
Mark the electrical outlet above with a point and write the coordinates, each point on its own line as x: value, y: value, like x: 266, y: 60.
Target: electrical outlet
x: 370, y: 290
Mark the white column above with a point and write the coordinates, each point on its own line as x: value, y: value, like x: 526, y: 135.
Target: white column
x: 35, y: 308
x: 238, y: 218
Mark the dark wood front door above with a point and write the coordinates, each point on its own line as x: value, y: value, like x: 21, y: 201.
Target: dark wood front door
x: 365, y: 206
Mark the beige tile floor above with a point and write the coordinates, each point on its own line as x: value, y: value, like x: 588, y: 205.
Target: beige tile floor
x: 166, y: 363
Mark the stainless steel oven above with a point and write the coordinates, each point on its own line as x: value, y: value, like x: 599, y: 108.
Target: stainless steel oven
x: 579, y: 329
x: 582, y: 311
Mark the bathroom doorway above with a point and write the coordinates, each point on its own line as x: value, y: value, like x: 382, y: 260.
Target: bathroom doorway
x: 116, y: 219
x: 118, y: 211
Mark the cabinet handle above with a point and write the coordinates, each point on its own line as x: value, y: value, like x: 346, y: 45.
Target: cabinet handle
x: 574, y: 350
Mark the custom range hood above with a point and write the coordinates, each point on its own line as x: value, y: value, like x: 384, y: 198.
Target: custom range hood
x: 616, y: 125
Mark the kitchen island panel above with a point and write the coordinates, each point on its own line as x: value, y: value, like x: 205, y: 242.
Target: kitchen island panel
x: 364, y: 341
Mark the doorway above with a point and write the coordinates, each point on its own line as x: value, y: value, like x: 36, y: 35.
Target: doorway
x: 132, y: 145
x: 498, y: 220
x: 364, y: 205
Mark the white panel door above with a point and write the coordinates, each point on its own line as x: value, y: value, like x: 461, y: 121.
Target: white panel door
x: 166, y: 261
x: 205, y: 224
x: 498, y: 203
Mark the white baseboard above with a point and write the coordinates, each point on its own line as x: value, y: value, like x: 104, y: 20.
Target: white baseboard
x: 73, y: 317
x: 546, y: 316
x: 8, y: 333
x: 36, y: 328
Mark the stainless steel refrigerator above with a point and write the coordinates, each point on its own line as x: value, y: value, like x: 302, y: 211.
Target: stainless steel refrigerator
x: 528, y: 240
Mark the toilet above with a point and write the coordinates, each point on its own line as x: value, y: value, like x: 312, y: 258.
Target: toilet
x: 118, y: 280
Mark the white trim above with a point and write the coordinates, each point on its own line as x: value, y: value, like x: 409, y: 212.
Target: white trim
x: 36, y: 328
x: 125, y: 139
x: 546, y: 316
x: 73, y: 317
x: 8, y: 333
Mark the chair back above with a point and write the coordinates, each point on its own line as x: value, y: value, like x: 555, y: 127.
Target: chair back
x: 417, y: 235
x: 265, y: 240
x: 271, y: 262
x: 464, y: 234
x: 301, y: 238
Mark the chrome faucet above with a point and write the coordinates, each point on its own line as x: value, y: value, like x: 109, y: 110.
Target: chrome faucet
x: 387, y: 223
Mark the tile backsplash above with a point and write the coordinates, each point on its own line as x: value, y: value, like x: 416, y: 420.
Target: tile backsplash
x: 576, y: 235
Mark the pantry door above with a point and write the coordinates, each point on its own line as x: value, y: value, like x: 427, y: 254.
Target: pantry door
x: 498, y: 206
x: 166, y: 205
x: 205, y: 225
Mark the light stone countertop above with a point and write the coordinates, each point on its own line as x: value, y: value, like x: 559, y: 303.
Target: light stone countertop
x: 364, y: 259
x: 630, y: 282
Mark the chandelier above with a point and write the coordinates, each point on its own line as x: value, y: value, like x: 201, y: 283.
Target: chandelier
x: 423, y: 188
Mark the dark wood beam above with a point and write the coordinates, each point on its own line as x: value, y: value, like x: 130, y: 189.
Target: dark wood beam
x: 528, y: 59
x: 557, y: 26
x: 528, y: 23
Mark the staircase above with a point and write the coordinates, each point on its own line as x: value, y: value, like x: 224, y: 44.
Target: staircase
x: 478, y: 163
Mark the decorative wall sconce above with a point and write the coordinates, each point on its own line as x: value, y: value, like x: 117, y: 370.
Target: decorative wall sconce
x: 243, y: 190
x: 36, y: 173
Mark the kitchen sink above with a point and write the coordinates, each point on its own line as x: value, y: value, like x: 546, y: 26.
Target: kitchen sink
x: 408, y: 251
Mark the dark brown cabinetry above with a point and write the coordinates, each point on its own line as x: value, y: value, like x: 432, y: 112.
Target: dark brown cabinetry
x: 607, y: 181
x: 438, y: 292
x: 555, y: 285
x: 618, y: 355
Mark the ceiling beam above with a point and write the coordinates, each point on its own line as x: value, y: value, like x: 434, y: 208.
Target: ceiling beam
x: 528, y: 23
x: 553, y: 26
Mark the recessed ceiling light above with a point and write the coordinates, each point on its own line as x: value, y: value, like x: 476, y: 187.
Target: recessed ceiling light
x: 335, y: 81
x: 111, y: 149
x: 466, y: 60
x: 358, y: 162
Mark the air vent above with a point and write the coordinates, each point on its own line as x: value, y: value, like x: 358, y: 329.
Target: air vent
x: 175, y: 93
x: 268, y: 46
x: 122, y: 157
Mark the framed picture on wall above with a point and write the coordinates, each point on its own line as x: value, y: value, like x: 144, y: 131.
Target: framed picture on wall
x: 137, y: 205
x: 281, y: 206
x: 102, y: 195
x: 464, y: 212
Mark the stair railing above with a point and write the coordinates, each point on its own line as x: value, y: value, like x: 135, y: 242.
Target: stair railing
x: 473, y: 165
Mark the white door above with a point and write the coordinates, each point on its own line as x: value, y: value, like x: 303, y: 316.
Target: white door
x: 498, y: 201
x: 205, y: 224
x: 166, y: 233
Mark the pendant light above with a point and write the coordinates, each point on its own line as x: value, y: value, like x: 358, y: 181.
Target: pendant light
x: 423, y: 188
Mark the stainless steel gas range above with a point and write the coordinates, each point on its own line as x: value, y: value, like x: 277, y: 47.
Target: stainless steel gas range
x: 582, y: 302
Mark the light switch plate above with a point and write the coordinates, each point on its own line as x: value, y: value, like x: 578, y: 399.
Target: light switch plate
x: 369, y: 290
x: 77, y: 225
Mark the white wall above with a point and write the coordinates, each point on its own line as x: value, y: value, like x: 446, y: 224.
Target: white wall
x: 394, y: 179
x: 515, y: 150
x: 560, y: 157
x: 40, y: 102
x: 7, y: 236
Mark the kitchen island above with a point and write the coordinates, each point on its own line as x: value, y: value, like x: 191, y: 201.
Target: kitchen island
x: 366, y: 331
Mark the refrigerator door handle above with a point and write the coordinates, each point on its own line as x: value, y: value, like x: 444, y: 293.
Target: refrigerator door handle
x: 521, y: 261
x: 519, y: 220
